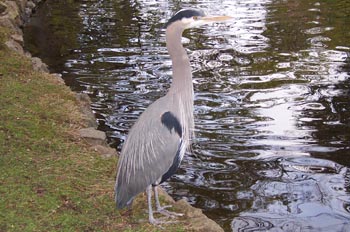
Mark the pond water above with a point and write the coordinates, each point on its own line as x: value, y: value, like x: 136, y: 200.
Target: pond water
x: 272, y: 99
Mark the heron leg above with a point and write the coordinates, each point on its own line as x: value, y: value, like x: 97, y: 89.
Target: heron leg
x: 162, y: 209
x: 151, y: 219
x: 156, y: 196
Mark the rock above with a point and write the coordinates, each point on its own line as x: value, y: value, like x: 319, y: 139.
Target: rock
x: 6, y: 22
x: 13, y: 12
x: 18, y: 38
x: 39, y: 65
x: 104, y: 151
x: 21, y: 4
x: 36, y: 1
x: 58, y: 78
x: 30, y: 5
x: 13, y: 45
x: 85, y: 108
x: 3, y: 8
x: 189, y: 211
x: 193, y: 218
x: 27, y: 14
x: 93, y: 136
x: 166, y: 196
x: 199, y: 222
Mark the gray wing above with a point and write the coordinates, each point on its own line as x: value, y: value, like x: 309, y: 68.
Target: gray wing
x: 149, y: 152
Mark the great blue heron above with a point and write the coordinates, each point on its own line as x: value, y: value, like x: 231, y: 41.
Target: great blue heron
x: 158, y: 140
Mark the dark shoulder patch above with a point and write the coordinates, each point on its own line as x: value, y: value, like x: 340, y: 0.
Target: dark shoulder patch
x: 171, y: 122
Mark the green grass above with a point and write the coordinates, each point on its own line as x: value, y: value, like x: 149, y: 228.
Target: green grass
x: 49, y: 179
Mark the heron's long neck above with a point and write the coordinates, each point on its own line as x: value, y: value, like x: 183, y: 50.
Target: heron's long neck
x: 182, y: 78
x: 182, y: 75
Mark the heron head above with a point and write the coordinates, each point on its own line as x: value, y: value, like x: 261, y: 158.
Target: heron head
x: 190, y: 18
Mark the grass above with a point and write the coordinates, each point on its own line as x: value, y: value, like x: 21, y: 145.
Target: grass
x: 49, y: 179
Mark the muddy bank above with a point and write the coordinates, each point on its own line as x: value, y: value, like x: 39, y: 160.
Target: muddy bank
x: 13, y: 15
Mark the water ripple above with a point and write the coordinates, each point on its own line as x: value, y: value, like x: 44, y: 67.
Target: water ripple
x: 271, y: 100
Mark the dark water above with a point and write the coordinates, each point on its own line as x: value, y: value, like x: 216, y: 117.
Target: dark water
x: 272, y: 99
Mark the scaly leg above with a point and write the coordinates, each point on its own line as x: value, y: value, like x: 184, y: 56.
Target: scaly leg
x: 151, y: 218
x: 150, y: 210
x: 162, y: 210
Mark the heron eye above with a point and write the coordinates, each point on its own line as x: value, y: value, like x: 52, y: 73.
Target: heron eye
x: 195, y: 17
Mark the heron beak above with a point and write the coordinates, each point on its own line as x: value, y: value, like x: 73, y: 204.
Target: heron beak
x: 209, y: 19
x: 206, y: 20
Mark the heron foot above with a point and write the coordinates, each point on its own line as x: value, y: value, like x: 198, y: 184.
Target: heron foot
x: 167, y: 213
x: 159, y: 222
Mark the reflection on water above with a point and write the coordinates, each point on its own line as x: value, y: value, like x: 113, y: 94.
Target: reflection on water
x: 302, y: 194
x: 272, y: 99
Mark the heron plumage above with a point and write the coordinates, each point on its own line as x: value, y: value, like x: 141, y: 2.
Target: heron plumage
x: 148, y: 152
x: 157, y: 142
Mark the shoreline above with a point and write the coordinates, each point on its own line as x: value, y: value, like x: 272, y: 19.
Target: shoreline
x: 13, y: 15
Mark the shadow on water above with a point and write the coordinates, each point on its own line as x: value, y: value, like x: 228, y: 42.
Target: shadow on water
x: 272, y: 100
